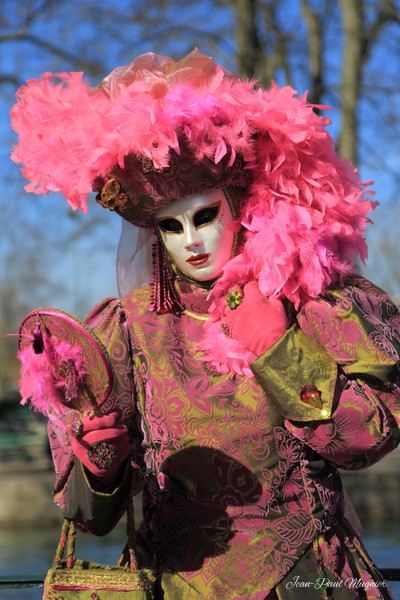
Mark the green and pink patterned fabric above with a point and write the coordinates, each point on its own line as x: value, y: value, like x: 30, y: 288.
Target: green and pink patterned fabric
x: 239, y: 475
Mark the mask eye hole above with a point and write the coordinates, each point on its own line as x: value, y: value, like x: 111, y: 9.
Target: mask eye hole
x: 170, y: 225
x: 206, y: 215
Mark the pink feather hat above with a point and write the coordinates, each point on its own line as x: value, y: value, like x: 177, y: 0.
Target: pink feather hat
x: 157, y: 129
x: 150, y: 132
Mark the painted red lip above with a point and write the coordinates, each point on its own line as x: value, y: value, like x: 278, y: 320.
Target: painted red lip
x: 198, y: 259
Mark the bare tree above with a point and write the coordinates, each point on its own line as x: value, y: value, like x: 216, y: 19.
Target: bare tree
x: 249, y: 51
x: 360, y: 35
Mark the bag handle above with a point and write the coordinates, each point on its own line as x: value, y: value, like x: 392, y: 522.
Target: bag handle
x: 128, y: 556
x: 67, y: 542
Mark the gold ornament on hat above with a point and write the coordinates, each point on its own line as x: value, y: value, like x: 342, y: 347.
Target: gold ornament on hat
x: 112, y: 196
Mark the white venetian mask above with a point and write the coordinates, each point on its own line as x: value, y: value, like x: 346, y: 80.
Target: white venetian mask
x: 197, y: 232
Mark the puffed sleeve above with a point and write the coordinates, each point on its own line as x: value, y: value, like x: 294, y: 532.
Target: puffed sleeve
x: 334, y: 375
x: 80, y: 498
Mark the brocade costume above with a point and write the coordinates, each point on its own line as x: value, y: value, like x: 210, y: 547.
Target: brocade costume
x: 241, y: 490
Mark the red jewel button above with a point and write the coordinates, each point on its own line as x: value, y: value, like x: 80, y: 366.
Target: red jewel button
x: 310, y: 394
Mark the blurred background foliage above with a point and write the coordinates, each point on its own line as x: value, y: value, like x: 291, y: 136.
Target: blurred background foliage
x: 344, y: 52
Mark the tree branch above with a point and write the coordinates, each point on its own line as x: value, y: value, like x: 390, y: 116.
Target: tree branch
x: 387, y: 13
x: 8, y: 78
x: 249, y: 49
x: 314, y: 27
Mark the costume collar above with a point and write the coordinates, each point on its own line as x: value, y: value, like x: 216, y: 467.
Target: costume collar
x: 194, y: 298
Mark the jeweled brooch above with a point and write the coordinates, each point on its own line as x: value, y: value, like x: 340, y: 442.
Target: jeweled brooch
x: 234, y: 299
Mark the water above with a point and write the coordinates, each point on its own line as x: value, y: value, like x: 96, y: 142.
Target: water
x: 30, y: 551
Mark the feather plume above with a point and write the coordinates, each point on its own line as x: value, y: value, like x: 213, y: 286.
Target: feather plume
x: 50, y: 378
x: 304, y: 213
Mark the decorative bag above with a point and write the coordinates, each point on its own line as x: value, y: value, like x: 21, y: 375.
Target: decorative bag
x: 74, y: 579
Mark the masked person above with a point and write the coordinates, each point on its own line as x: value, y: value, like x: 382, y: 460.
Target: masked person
x: 256, y: 363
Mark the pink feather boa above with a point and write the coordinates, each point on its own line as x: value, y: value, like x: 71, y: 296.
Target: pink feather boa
x: 306, y: 209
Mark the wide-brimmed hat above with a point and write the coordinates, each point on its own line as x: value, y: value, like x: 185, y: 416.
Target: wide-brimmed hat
x: 149, y: 133
x: 158, y: 129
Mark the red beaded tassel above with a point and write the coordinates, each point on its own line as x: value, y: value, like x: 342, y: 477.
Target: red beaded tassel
x: 165, y: 298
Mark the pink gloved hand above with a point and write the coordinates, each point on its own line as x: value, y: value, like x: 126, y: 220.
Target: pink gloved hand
x: 257, y: 322
x: 101, y: 444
